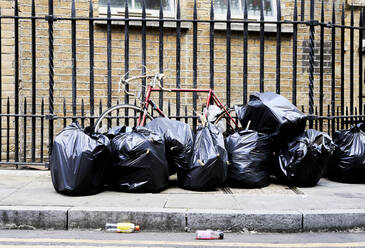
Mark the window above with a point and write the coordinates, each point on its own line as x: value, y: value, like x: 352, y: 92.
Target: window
x: 135, y: 7
x: 237, y: 7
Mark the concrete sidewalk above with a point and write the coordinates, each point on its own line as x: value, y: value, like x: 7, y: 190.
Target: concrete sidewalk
x: 28, y: 200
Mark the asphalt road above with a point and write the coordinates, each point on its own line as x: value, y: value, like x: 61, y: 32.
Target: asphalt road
x: 92, y: 239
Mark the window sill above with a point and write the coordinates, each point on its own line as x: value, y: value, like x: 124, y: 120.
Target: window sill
x: 255, y: 27
x: 154, y: 24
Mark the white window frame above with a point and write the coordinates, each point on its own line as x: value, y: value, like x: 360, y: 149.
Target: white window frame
x: 250, y: 17
x: 137, y: 12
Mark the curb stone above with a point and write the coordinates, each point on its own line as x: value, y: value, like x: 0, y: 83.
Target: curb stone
x: 180, y: 220
x: 33, y: 217
x: 235, y: 221
x: 149, y: 219
x: 342, y: 219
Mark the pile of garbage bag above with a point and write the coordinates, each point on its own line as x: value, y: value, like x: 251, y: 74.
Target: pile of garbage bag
x: 348, y: 162
x: 273, y: 145
x: 78, y: 161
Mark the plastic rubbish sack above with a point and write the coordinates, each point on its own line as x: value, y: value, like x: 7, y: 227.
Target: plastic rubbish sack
x: 178, y: 143
x: 250, y: 155
x: 304, y: 160
x: 272, y: 114
x: 212, y: 114
x: 138, y: 162
x: 348, y: 161
x: 114, y: 131
x: 78, y: 161
x: 209, y: 162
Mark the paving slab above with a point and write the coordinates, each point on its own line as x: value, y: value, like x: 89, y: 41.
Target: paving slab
x: 28, y: 199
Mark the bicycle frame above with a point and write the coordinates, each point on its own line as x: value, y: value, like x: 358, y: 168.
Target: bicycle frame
x: 211, y: 96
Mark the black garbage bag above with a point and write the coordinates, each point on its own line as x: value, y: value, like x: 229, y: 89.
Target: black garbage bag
x: 114, y: 131
x: 250, y: 156
x: 78, y: 161
x: 348, y: 161
x: 304, y: 160
x: 178, y: 143
x: 138, y: 162
x: 209, y: 162
x: 272, y: 114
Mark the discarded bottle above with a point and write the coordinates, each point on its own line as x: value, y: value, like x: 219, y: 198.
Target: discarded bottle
x: 121, y: 227
x: 209, y: 234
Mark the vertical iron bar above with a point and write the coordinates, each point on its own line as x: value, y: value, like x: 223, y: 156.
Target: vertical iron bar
x: 1, y: 87
x: 245, y: 51
x: 34, y: 79
x: 211, y: 46
x: 333, y: 74
x: 161, y: 47
x: 347, y: 119
x: 74, y: 71
x: 311, y: 62
x: 42, y: 129
x: 228, y: 56
x: 278, y: 46
x: 16, y: 86
x: 8, y: 130
x: 321, y: 68
x: 295, y: 51
x: 51, y: 74
x: 82, y: 113
x: 178, y: 55
x: 64, y: 113
x: 118, y: 114
x: 338, y: 119
x: 262, y: 47
x: 343, y: 65
x: 361, y: 24
x: 25, y: 131
x: 328, y: 120
x: 169, y: 109
x: 91, y: 56
x: 352, y: 62
x: 109, y: 59
x: 143, y: 47
x: 100, y: 110
x: 195, y: 62
x: 302, y: 10
x: 126, y: 58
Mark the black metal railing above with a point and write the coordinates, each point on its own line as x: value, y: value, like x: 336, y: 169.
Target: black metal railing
x: 343, y: 110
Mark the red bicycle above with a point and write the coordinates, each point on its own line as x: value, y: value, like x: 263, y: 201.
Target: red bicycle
x: 140, y: 114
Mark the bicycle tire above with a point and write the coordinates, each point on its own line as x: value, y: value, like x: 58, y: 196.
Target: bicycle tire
x: 229, y: 129
x: 118, y: 107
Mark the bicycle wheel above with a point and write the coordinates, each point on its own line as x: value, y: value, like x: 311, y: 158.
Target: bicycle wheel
x: 224, y: 122
x: 121, y: 115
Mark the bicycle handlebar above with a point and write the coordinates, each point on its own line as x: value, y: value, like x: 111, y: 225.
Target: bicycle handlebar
x: 155, y: 80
